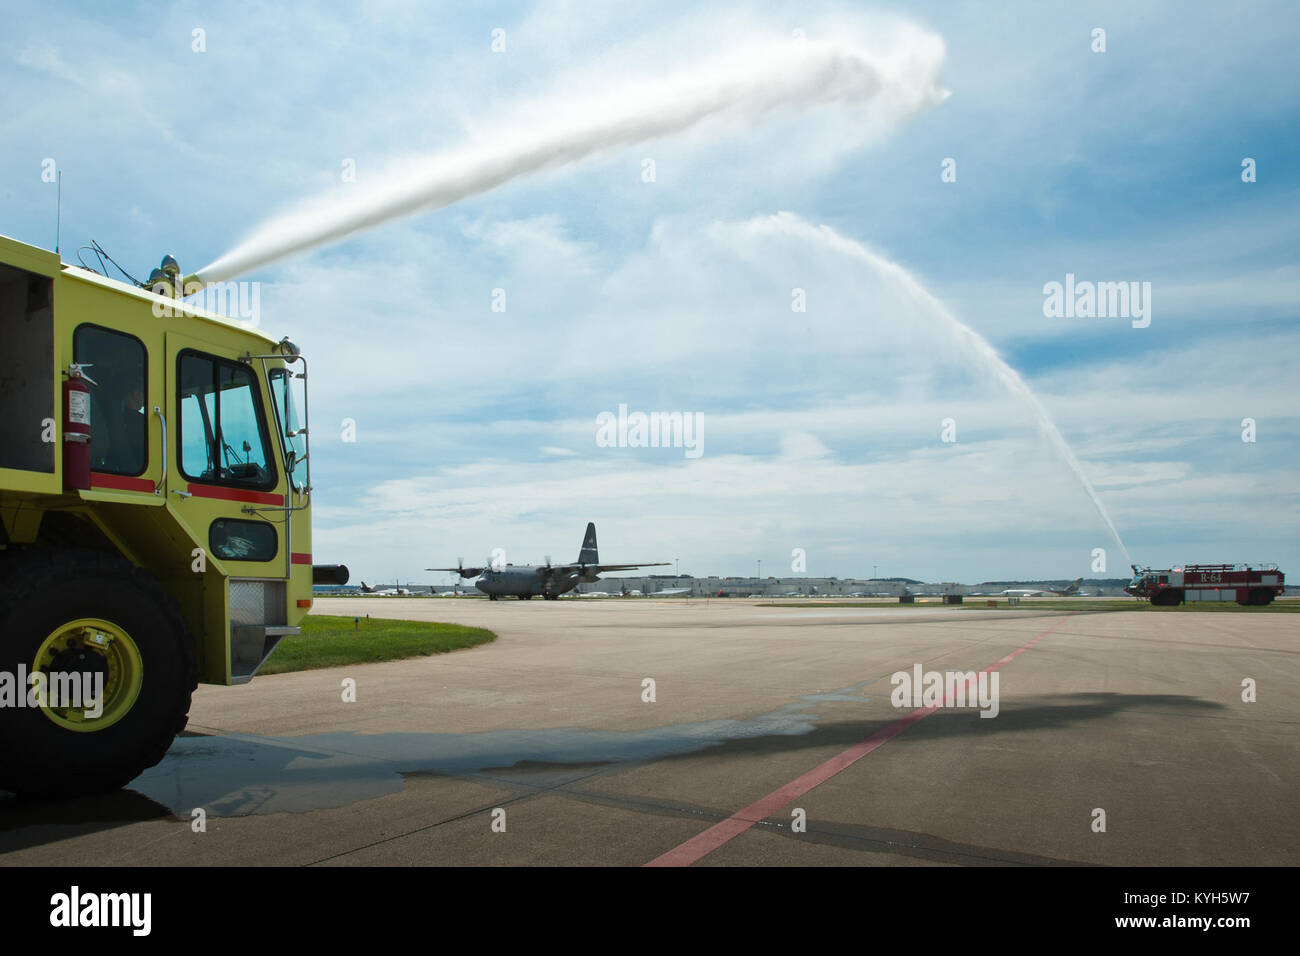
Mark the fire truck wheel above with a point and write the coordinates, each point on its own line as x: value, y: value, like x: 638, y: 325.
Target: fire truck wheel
x: 104, y: 623
x: 1258, y: 597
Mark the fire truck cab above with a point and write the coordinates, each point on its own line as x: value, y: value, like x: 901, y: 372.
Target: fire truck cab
x: 155, y: 517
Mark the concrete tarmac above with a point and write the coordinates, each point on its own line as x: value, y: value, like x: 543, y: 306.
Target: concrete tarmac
x: 545, y: 747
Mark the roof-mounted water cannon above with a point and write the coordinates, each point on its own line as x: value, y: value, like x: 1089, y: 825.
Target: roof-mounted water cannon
x: 166, y: 280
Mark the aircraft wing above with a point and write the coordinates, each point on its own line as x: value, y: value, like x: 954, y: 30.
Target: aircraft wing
x: 463, y: 572
x: 601, y: 568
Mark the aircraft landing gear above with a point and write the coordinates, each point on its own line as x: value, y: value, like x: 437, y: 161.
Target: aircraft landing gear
x: 493, y: 597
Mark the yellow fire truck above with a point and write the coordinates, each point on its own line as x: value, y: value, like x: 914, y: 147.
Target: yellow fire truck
x: 155, y: 515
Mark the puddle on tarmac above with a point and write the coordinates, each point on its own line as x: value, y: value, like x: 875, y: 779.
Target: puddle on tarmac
x: 238, y: 775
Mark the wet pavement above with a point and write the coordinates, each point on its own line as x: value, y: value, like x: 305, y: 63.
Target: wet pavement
x: 544, y: 747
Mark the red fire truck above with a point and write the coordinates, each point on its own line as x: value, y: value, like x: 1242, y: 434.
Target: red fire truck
x: 1244, y: 583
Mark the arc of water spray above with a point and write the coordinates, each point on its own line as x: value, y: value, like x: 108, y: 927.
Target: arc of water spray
x: 748, y: 86
x: 788, y: 224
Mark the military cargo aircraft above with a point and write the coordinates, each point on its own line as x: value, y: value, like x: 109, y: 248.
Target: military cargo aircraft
x: 526, y: 581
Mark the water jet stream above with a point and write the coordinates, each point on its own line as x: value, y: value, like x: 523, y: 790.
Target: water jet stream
x: 746, y: 87
x: 789, y: 225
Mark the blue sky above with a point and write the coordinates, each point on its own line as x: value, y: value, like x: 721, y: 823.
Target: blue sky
x: 475, y: 429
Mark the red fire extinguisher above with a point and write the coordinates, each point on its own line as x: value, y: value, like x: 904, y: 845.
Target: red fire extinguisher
x: 76, y: 428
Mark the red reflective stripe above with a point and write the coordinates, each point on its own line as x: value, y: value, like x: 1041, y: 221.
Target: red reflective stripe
x: 120, y: 482
x: 300, y: 558
x: 715, y: 836
x: 235, y: 494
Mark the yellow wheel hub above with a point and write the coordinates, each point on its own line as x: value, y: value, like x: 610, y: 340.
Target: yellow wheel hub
x: 93, y: 675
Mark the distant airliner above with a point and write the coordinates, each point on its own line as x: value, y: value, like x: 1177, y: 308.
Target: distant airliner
x: 382, y: 592
x: 1071, y: 591
x: 526, y: 581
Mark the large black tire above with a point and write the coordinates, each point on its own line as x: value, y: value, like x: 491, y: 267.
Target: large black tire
x: 39, y: 592
x: 1258, y: 597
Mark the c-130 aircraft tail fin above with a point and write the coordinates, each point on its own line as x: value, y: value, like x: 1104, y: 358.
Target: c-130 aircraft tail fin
x: 588, y: 554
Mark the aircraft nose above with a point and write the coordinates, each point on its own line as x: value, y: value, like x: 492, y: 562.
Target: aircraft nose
x: 479, y: 585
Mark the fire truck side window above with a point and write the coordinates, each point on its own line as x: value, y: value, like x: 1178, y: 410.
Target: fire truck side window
x: 223, y: 436
x: 119, y: 426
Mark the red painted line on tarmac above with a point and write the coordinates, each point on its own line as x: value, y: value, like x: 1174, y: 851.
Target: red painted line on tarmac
x: 698, y: 847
